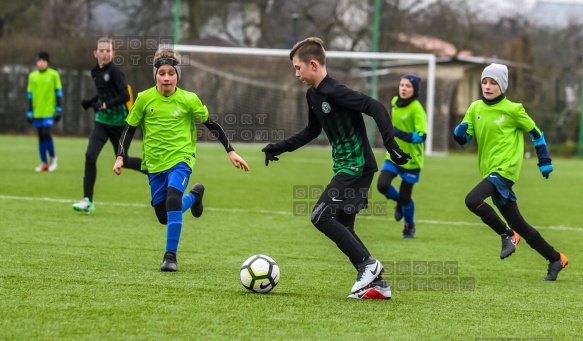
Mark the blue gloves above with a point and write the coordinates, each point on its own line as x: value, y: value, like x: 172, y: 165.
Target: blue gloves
x: 542, y: 152
x: 416, y: 138
x: 545, y: 169
x: 460, y: 134
x: 29, y: 116
x: 413, y: 137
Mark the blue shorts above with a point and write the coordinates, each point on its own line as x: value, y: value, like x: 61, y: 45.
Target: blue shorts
x: 504, y: 189
x: 176, y: 177
x: 408, y: 175
x: 43, y: 122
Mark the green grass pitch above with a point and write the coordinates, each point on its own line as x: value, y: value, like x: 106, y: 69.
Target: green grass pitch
x: 72, y: 276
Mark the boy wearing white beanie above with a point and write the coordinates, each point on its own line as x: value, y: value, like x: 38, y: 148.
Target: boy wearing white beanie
x: 498, y: 125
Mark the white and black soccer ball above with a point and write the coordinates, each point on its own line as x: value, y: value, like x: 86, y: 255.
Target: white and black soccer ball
x: 259, y: 273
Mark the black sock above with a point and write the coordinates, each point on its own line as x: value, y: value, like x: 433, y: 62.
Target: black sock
x: 490, y: 218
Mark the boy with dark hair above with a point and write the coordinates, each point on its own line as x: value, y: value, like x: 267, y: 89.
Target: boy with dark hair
x: 338, y: 110
x: 110, y: 118
x: 410, y: 124
x: 44, y: 108
x: 168, y: 116
x: 498, y: 125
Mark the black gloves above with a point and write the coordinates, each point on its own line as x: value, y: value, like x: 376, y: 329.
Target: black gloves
x: 271, y: 152
x: 399, y: 157
x: 96, y: 106
x: 57, y: 116
x: 86, y: 104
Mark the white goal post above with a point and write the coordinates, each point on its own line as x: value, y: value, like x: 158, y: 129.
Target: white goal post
x: 423, y: 57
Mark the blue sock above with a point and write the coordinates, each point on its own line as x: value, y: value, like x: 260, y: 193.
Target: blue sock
x: 187, y: 201
x: 408, y: 212
x: 42, y: 149
x: 173, y: 229
x: 392, y: 194
x: 51, y: 147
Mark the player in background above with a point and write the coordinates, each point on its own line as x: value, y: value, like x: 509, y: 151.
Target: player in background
x: 410, y: 125
x: 45, y: 95
x: 110, y: 118
x: 498, y: 125
x: 337, y: 110
x: 167, y: 116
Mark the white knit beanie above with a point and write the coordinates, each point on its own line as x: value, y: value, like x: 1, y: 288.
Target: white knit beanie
x: 497, y: 72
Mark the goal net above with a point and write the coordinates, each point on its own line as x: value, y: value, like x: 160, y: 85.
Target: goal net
x: 254, y: 94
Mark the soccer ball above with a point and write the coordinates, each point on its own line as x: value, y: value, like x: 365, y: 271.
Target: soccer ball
x: 259, y: 273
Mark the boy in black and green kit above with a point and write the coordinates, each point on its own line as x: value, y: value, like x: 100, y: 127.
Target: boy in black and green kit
x: 110, y: 118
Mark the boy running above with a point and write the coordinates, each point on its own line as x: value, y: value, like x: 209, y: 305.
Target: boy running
x: 167, y: 116
x: 110, y: 118
x: 498, y: 125
x: 410, y: 122
x: 338, y: 110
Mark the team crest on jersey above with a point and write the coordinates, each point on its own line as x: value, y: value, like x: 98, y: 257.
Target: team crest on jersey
x: 152, y: 110
x: 479, y: 117
x: 106, y: 77
x: 326, y: 107
x: 176, y: 113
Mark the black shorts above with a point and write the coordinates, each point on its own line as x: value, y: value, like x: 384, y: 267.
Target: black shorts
x: 346, y: 193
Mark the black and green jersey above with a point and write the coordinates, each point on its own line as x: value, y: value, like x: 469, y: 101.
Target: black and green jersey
x: 113, y: 90
x: 338, y: 111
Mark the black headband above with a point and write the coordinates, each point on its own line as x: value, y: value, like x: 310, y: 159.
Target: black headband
x: 167, y: 61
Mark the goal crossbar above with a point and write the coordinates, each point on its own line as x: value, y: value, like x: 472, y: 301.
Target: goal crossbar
x: 426, y: 57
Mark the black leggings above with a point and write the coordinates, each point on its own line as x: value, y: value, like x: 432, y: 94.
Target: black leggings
x: 384, y: 184
x: 44, y: 134
x: 475, y: 203
x: 99, y: 136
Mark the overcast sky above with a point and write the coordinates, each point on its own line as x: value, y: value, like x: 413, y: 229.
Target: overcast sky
x: 495, y: 8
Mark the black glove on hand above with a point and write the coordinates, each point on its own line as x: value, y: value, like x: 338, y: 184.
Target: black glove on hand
x: 29, y: 117
x: 96, y: 106
x: 271, y: 152
x: 399, y: 157
x: 57, y: 116
x: 86, y: 104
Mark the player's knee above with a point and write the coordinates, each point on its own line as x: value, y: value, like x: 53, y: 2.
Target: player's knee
x: 161, y: 214
x: 173, y: 200
x: 383, y: 186
x: 90, y: 157
x: 320, y: 214
x: 473, y: 202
